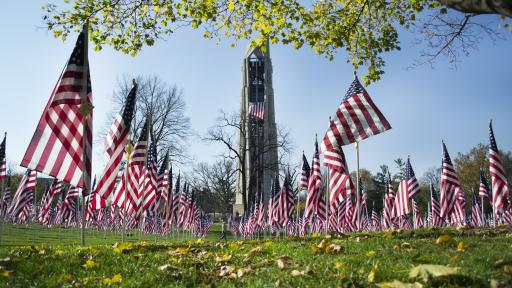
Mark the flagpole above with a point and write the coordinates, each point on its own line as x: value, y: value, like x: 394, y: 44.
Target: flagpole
x: 358, y: 211
x: 125, y: 191
x: 2, y: 191
x: 85, y: 83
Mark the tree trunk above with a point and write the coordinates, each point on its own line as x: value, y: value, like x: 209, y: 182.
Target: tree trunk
x: 502, y: 7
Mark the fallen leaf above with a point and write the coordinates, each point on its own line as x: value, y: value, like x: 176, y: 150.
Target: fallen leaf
x: 425, y: 271
x: 120, y: 248
x: 117, y: 278
x: 227, y: 271
x: 68, y: 278
x: 340, y: 265
x: 297, y: 273
x: 371, y: 275
x: 443, y: 239
x: 334, y: 248
x: 242, y: 271
x: 5, y: 274
x: 164, y: 267
x: 406, y: 246
x: 371, y: 253
x: 323, y: 244
x: 255, y: 250
x: 199, y: 241
x: 182, y: 250
x: 461, y: 247
x: 223, y: 258
x: 58, y: 252
x: 398, y: 284
x: 89, y: 264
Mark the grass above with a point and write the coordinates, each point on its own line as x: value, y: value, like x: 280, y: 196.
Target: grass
x: 482, y: 257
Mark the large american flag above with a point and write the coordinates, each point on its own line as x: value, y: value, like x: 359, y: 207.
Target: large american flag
x: 3, y: 160
x: 60, y: 147
x: 450, y: 186
x: 306, y: 170
x: 257, y: 109
x: 500, y: 190
x: 412, y: 183
x: 356, y: 119
x: 115, y: 144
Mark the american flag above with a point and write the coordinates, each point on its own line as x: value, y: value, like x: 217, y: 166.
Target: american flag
x: 412, y: 183
x: 257, y: 109
x: 314, y: 195
x: 484, y: 190
x: 183, y: 206
x: 402, y: 206
x: 175, y: 202
x: 435, y: 208
x: 450, y: 186
x: 24, y: 194
x: 136, y: 171
x: 418, y: 220
x: 54, y: 190
x: 3, y: 160
x: 476, y: 213
x: 151, y: 179
x: 115, y: 144
x: 389, y: 200
x: 356, y: 119
x: 286, y: 203
x: 58, y: 144
x: 165, y: 188
x: 375, y: 219
x: 306, y: 170
x: 6, y: 200
x: 273, y: 201
x: 340, y: 183
x: 500, y: 190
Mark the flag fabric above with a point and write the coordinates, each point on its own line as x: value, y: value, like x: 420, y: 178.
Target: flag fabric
x: 136, y: 171
x: 484, y: 190
x: 500, y: 190
x: 418, y: 220
x: 115, y: 145
x: 151, y: 179
x: 356, y: 119
x: 314, y: 195
x: 412, y: 183
x: 340, y: 183
x: 306, y: 170
x: 3, y: 159
x: 59, y: 146
x: 435, y: 207
x: 389, y: 200
x: 286, y: 203
x: 257, y: 109
x: 402, y: 206
x: 273, y: 202
x: 24, y: 194
x: 450, y: 186
x: 476, y: 213
x: 6, y: 199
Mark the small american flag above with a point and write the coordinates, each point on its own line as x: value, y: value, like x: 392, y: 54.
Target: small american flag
x: 500, y: 190
x: 3, y: 160
x: 412, y: 183
x: 434, y: 206
x: 476, y: 213
x: 315, y: 184
x: 450, y: 186
x: 306, y: 170
x: 356, y: 119
x: 402, y: 206
x: 24, y: 195
x: 257, y: 109
x: 59, y: 142
x: 484, y: 190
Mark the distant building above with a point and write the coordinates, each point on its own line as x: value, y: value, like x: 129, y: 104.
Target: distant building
x: 259, y: 142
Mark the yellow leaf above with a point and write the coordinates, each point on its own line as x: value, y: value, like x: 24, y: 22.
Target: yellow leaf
x: 120, y: 248
x: 461, y: 247
x: 443, y: 239
x: 89, y: 264
x: 256, y: 250
x: 426, y: 271
x: 156, y: 9
x: 340, y: 265
x: 231, y: 5
x: 58, y: 252
x: 182, y: 250
x: 371, y: 253
x: 68, y: 278
x: 5, y: 274
x: 106, y: 281
x: 371, y: 275
x: 117, y: 278
x: 199, y: 241
x: 333, y: 248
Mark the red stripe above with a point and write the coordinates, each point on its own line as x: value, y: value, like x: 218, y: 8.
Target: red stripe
x: 366, y: 114
x: 355, y: 120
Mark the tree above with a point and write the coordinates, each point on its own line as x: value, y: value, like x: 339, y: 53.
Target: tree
x: 468, y: 167
x: 432, y: 175
x: 230, y: 128
x: 366, y: 29
x: 170, y: 126
x: 219, y: 181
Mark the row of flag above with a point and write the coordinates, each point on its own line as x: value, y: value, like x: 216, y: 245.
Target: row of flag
x: 343, y: 208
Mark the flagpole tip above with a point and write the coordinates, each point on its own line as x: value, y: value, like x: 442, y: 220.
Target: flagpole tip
x: 134, y: 83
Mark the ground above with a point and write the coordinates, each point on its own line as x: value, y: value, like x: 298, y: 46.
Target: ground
x: 428, y: 258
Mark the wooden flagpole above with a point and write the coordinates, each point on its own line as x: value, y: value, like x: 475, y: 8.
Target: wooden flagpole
x: 86, y: 179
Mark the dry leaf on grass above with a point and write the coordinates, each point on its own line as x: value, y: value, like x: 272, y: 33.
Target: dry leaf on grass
x: 443, y: 239
x: 284, y: 261
x: 427, y: 271
x: 255, y: 250
x: 399, y: 284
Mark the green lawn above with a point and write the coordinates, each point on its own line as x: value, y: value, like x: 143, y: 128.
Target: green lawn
x: 476, y: 257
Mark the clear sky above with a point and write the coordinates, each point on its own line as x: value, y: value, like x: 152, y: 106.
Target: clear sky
x: 424, y: 105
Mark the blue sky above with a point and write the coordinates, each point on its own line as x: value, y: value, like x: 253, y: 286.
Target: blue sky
x: 424, y: 105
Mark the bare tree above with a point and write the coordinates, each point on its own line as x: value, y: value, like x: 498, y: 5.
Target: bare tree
x: 219, y: 180
x: 432, y: 175
x: 228, y: 130
x: 170, y: 126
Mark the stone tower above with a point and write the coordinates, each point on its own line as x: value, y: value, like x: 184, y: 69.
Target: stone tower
x: 258, y: 140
